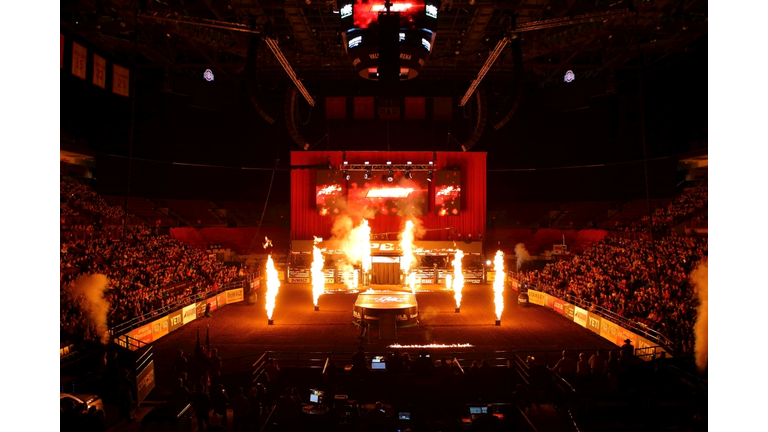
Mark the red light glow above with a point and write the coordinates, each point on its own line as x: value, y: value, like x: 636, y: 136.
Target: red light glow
x: 395, y: 192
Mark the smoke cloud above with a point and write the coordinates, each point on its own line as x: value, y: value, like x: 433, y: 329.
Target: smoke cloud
x: 522, y: 254
x: 92, y: 287
x: 699, y: 278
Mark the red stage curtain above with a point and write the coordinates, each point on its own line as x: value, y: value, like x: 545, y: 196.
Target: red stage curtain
x: 305, y: 223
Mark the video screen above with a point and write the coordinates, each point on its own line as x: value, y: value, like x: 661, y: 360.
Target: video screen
x: 316, y: 396
x: 448, y: 193
x: 366, y: 12
x: 329, y: 193
x: 378, y: 363
x: 377, y: 195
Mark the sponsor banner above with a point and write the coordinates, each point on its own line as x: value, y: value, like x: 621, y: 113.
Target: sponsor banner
x: 221, y: 299
x: 235, y: 295
x: 200, y: 308
x: 515, y: 284
x: 189, y: 313
x: 536, y: 297
x: 256, y: 284
x: 145, y: 381
x: 143, y: 333
x: 568, y: 310
x: 298, y: 280
x: 644, y: 348
x: 212, y: 302
x: 99, y: 71
x: 613, y: 332
x: 120, y: 80
x: 79, y: 54
x: 624, y: 334
x: 558, y: 306
x: 580, y: 316
x: 593, y: 322
x: 175, y: 320
x: 549, y: 302
x: 160, y: 328
x: 490, y: 276
x: 605, y: 330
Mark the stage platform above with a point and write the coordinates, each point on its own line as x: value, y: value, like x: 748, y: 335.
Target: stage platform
x: 372, y: 305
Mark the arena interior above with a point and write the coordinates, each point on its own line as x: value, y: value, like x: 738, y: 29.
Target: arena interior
x: 383, y: 215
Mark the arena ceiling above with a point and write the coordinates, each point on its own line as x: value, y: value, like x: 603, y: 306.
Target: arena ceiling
x: 187, y: 36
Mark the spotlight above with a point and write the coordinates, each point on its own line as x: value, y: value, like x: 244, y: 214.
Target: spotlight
x: 368, y: 175
x: 488, y: 262
x: 346, y: 175
x: 429, y: 176
x: 390, y: 176
x: 408, y: 174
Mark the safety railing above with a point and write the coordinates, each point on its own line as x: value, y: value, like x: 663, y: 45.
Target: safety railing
x: 179, y: 304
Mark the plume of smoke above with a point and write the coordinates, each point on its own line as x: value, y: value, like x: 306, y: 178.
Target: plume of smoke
x: 92, y: 287
x: 699, y: 278
x: 522, y: 254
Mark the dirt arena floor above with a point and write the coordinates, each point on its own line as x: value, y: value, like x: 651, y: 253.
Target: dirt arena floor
x: 241, y: 329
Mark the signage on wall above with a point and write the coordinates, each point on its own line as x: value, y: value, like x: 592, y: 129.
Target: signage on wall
x: 569, y: 76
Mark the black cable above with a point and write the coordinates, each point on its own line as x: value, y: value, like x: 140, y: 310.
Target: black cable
x: 258, y: 230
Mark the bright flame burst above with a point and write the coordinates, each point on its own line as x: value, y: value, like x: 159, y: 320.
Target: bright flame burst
x: 458, y: 277
x: 406, y: 245
x: 273, y: 286
x: 361, y: 240
x: 398, y: 346
x: 318, y: 278
x: 498, y: 283
x: 448, y: 279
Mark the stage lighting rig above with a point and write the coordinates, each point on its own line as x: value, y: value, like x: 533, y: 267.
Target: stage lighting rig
x: 408, y: 174
x: 390, y: 176
x: 368, y: 175
x: 346, y: 175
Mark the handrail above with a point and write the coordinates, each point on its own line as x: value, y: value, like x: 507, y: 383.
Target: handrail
x: 455, y: 360
x: 266, y: 423
x: 325, y: 366
x: 527, y: 420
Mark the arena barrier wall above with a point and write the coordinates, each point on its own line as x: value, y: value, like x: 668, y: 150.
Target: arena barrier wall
x: 644, y: 348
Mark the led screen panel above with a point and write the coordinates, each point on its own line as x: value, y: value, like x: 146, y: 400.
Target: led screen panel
x: 448, y: 193
x: 329, y: 193
x: 366, y: 13
x: 378, y: 196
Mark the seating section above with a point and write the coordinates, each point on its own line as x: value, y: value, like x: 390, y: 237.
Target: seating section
x: 584, y: 214
x: 524, y: 214
x: 633, y: 211
x: 194, y: 212
x: 618, y: 275
x: 146, y: 271
x: 143, y: 208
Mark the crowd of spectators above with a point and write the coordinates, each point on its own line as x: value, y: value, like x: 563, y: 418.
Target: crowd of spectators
x: 146, y: 271
x: 686, y: 204
x: 645, y: 284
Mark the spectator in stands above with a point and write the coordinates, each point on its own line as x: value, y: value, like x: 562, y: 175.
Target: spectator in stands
x: 219, y: 401
x: 627, y: 348
x: 486, y: 422
x: 597, y: 366
x: 241, y: 411
x: 582, y: 369
x: 201, y: 404
x: 180, y: 392
x: 180, y: 363
x: 359, y: 363
x: 565, y: 367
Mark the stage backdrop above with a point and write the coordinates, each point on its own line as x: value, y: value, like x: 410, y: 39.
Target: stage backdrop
x: 305, y: 222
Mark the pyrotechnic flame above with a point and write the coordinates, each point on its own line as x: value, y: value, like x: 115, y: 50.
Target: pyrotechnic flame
x: 498, y: 283
x: 330, y: 190
x: 318, y: 278
x: 448, y: 280
x: 406, y: 245
x: 360, y: 243
x: 268, y: 242
x: 273, y: 286
x: 412, y: 282
x: 398, y: 346
x: 458, y: 277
